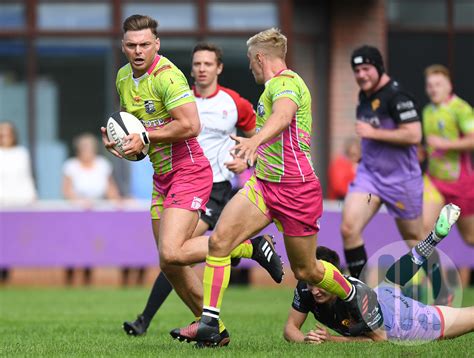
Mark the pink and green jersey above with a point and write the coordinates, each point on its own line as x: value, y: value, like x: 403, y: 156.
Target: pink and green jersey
x: 287, y: 157
x: 451, y: 120
x: 150, y: 98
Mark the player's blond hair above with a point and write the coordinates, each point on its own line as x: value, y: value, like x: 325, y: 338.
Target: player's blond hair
x: 437, y: 69
x: 271, y: 42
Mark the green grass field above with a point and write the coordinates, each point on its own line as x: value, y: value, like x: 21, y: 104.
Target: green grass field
x: 87, y: 322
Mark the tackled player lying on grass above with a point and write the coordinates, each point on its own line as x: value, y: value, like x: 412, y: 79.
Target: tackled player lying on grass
x: 395, y: 316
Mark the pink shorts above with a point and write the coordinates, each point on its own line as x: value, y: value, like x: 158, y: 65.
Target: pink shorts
x: 460, y: 192
x: 296, y: 208
x: 187, y: 187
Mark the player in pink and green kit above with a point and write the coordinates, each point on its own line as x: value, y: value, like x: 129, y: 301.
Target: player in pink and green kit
x: 448, y: 126
x: 155, y: 91
x: 284, y: 190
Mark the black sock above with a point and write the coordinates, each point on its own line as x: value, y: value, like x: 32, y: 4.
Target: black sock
x: 160, y: 291
x: 402, y: 270
x: 432, y: 267
x: 356, y: 259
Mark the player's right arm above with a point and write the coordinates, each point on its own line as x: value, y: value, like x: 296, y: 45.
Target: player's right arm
x: 292, y: 331
x: 283, y: 112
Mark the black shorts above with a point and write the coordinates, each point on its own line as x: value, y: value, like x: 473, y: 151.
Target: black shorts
x: 220, y: 195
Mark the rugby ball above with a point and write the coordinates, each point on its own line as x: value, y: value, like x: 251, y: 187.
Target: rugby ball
x: 121, y: 124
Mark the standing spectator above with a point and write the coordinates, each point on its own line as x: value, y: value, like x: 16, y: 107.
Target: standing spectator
x: 448, y: 125
x: 16, y: 180
x: 342, y: 169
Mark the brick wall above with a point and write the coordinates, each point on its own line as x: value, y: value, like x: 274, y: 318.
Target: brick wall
x: 352, y: 23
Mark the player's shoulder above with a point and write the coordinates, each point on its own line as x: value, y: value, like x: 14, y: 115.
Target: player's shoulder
x: 229, y: 91
x: 165, y: 67
x: 395, y: 90
x: 459, y: 103
x: 302, y: 288
x: 286, y: 83
x: 124, y: 72
x: 236, y: 97
x: 285, y: 76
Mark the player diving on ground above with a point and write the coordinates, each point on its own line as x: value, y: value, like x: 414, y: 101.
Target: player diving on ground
x: 395, y: 316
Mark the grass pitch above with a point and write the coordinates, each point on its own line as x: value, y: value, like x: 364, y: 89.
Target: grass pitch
x: 87, y: 322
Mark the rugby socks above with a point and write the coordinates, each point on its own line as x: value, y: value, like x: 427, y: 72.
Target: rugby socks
x: 160, y: 291
x: 335, y: 283
x: 215, y: 281
x: 422, y: 255
x: 244, y: 250
x: 356, y: 259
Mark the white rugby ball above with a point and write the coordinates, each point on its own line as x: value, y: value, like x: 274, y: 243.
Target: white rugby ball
x: 121, y: 124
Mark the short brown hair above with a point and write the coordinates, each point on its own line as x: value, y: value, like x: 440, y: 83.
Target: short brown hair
x: 437, y: 69
x: 207, y: 46
x: 140, y: 22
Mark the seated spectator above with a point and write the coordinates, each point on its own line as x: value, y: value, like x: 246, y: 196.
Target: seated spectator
x: 87, y: 177
x: 342, y: 169
x: 16, y: 180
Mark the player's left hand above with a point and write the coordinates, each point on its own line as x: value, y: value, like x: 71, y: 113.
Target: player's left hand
x: 246, y: 148
x: 312, y: 338
x: 322, y: 334
x: 237, y: 165
x: 365, y: 130
x: 438, y: 142
x: 134, y: 145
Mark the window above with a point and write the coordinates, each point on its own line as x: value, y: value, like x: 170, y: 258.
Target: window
x: 242, y: 16
x: 13, y: 86
x: 74, y: 16
x: 417, y: 13
x: 464, y: 13
x: 169, y: 16
x: 12, y: 16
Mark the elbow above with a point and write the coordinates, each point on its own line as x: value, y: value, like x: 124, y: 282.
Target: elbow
x: 191, y: 129
x: 194, y: 128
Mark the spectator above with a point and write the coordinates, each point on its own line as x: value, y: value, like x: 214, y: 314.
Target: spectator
x: 342, y: 169
x: 16, y: 180
x: 88, y: 178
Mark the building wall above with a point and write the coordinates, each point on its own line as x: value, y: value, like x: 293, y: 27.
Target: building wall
x: 352, y: 23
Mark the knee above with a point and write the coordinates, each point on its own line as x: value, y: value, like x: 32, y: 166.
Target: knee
x: 412, y: 237
x: 309, y: 273
x: 168, y: 259
x: 218, y: 245
x: 348, y: 231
